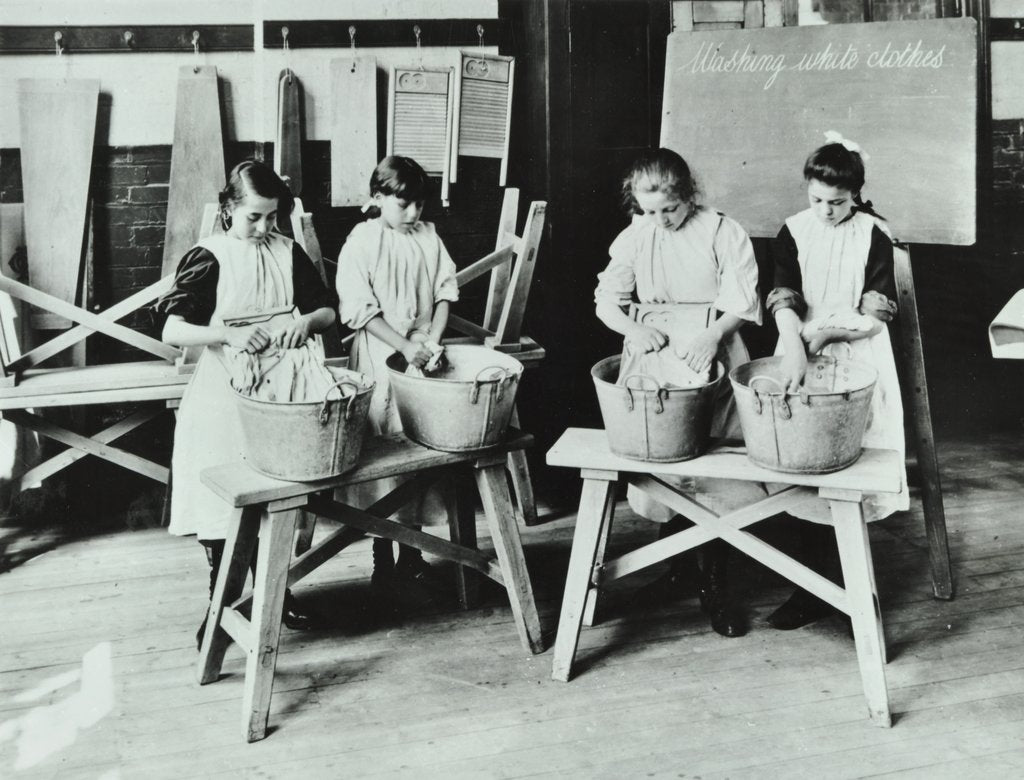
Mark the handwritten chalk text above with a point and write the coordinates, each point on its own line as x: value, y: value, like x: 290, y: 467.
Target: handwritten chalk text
x: 711, y: 59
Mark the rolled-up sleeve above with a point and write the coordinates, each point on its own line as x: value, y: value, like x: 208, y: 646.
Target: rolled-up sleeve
x: 737, y: 273
x: 357, y: 303
x: 617, y: 282
x: 194, y: 294
x: 446, y: 285
x: 787, y: 286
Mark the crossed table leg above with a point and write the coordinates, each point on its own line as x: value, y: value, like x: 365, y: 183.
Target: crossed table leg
x: 259, y: 515
x: 588, y: 571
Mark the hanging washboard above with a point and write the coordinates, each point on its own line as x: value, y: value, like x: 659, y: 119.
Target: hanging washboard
x: 483, y: 109
x: 420, y: 113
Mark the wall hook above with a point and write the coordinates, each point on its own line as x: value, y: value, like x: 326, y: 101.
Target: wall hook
x: 352, y: 43
x: 129, y: 38
x: 58, y: 36
x: 419, y: 47
x: 480, y: 34
x: 195, y: 49
x: 284, y: 38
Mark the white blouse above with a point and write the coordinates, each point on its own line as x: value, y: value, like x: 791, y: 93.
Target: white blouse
x: 398, y: 275
x: 708, y: 259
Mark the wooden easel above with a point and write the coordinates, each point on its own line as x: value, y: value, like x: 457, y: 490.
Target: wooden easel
x: 915, y: 390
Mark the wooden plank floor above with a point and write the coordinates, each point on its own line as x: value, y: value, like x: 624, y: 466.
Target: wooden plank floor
x: 97, y: 652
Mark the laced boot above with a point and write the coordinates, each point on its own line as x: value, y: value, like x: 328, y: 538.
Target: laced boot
x: 725, y: 618
x: 820, y: 553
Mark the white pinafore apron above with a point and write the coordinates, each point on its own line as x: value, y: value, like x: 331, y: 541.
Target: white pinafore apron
x: 682, y: 322
x: 252, y: 278
x: 833, y: 261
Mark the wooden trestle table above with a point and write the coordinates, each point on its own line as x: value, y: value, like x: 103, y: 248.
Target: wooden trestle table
x: 266, y: 509
x: 875, y: 472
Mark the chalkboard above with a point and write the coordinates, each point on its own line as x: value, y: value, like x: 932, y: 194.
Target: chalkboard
x: 746, y: 107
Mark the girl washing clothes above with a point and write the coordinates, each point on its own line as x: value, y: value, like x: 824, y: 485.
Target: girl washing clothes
x: 833, y: 294
x: 249, y: 268
x: 698, y: 265
x: 395, y: 282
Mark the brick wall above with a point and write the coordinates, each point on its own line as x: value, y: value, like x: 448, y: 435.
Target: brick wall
x: 129, y: 189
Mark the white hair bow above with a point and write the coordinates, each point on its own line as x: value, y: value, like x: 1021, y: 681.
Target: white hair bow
x: 852, y: 146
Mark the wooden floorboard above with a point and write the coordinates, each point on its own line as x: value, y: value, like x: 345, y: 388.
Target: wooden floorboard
x: 447, y: 693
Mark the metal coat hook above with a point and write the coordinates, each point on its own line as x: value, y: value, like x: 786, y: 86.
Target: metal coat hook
x: 419, y: 47
x: 57, y: 38
x: 285, y: 48
x: 352, y: 44
x: 480, y: 34
x: 195, y: 48
x: 129, y: 38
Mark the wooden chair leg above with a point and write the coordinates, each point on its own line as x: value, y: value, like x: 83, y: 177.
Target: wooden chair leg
x: 855, y: 554
x: 595, y: 504
x: 234, y: 568
x: 462, y: 526
x: 276, y: 532
x: 519, y: 468
x: 593, y: 591
x: 501, y: 519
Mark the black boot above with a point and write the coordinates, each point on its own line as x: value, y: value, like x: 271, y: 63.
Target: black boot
x: 819, y: 552
x: 681, y: 581
x: 725, y: 618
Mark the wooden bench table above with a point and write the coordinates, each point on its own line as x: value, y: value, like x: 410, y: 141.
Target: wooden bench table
x: 266, y: 509
x: 875, y: 472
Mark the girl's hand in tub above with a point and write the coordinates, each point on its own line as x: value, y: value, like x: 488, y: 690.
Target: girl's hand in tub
x: 248, y: 338
x: 794, y: 367
x: 699, y: 353
x: 416, y: 353
x: 294, y: 334
x: 646, y: 339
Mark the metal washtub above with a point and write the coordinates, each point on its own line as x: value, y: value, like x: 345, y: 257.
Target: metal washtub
x: 815, y: 431
x: 465, y: 406
x: 647, y: 421
x: 304, y: 441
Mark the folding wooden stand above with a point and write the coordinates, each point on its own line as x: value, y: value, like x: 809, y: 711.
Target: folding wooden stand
x: 266, y: 509
x: 875, y: 472
x: 512, y: 266
x: 25, y: 387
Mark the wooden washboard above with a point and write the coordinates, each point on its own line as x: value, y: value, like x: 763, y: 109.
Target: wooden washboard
x: 420, y: 116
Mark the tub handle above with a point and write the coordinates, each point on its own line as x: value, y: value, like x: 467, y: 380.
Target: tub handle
x: 503, y: 374
x: 325, y: 409
x: 660, y: 392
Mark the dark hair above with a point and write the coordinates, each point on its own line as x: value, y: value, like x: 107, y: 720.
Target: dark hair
x: 658, y: 170
x: 260, y: 179
x: 835, y: 165
x: 402, y: 177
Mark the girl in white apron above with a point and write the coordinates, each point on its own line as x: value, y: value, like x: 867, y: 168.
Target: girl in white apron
x: 834, y: 292
x: 395, y: 284
x: 248, y: 268
x: 697, y: 263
